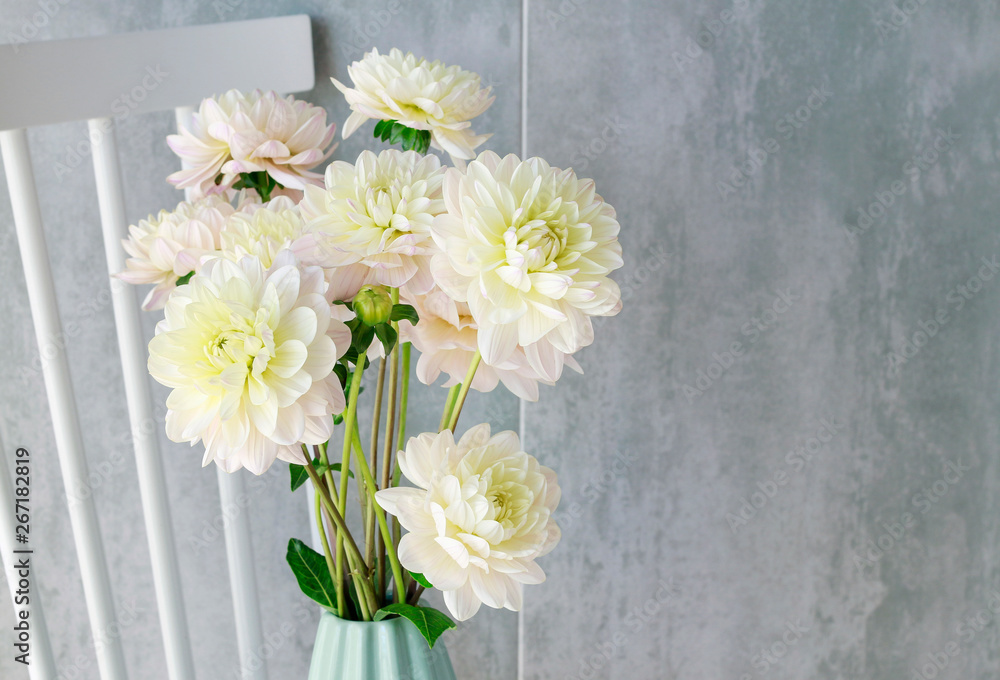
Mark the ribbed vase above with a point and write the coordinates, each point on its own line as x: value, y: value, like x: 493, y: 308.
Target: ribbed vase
x: 384, y: 650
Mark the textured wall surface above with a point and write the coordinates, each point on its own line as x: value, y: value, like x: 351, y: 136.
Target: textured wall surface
x: 782, y: 459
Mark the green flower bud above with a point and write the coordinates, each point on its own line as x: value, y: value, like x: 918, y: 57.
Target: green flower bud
x: 373, y: 305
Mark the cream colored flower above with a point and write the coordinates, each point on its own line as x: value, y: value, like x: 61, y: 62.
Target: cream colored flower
x: 170, y: 245
x: 529, y: 248
x: 261, y: 230
x: 375, y: 216
x: 446, y: 337
x: 420, y: 94
x: 254, y: 132
x: 480, y: 516
x: 249, y: 354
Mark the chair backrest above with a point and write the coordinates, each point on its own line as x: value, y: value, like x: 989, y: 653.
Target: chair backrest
x: 100, y: 80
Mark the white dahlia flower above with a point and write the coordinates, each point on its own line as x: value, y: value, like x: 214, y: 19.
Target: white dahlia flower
x: 170, y: 245
x: 249, y: 354
x: 420, y: 94
x: 529, y: 247
x: 446, y: 338
x: 261, y: 230
x: 376, y: 216
x: 480, y: 516
x: 254, y: 132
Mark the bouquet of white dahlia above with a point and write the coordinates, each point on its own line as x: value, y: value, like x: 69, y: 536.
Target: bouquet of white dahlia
x: 282, y: 287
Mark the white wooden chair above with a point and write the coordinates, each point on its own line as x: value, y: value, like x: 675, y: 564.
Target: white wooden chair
x: 70, y: 80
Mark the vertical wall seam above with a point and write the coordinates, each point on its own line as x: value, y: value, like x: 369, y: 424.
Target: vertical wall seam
x: 521, y: 403
x: 524, y: 78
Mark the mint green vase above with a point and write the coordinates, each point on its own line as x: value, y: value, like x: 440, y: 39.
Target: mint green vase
x: 392, y: 649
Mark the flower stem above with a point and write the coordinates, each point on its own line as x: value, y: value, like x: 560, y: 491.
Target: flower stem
x: 449, y: 404
x: 350, y: 422
x: 397, y: 571
x: 343, y: 535
x: 377, y: 409
x: 457, y: 411
x: 334, y: 571
x: 403, y: 402
x: 359, y: 454
x: 391, y: 412
x: 390, y: 432
x: 376, y: 417
x: 397, y: 472
x: 324, y: 460
x: 390, y: 425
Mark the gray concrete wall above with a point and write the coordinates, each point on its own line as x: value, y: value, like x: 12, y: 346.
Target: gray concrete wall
x: 752, y: 370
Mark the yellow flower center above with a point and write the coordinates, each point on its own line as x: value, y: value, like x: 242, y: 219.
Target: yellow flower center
x: 541, y: 242
x: 381, y: 187
x: 245, y: 341
x: 412, y: 112
x: 501, y: 504
x: 218, y: 346
x: 509, y: 499
x: 382, y: 197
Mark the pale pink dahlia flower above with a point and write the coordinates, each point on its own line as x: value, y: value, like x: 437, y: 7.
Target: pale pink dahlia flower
x: 255, y: 132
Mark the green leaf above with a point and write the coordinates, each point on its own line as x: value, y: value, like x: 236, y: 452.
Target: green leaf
x: 387, y: 335
x: 248, y: 180
x: 363, y: 340
x: 381, y: 126
x: 260, y: 181
x: 184, y: 279
x: 409, y: 139
x: 424, y: 141
x: 401, y: 312
x: 429, y: 621
x: 341, y: 372
x: 421, y: 579
x: 335, y: 467
x: 387, y: 129
x: 397, y: 133
x: 312, y: 573
x: 350, y: 357
x: 298, y: 474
